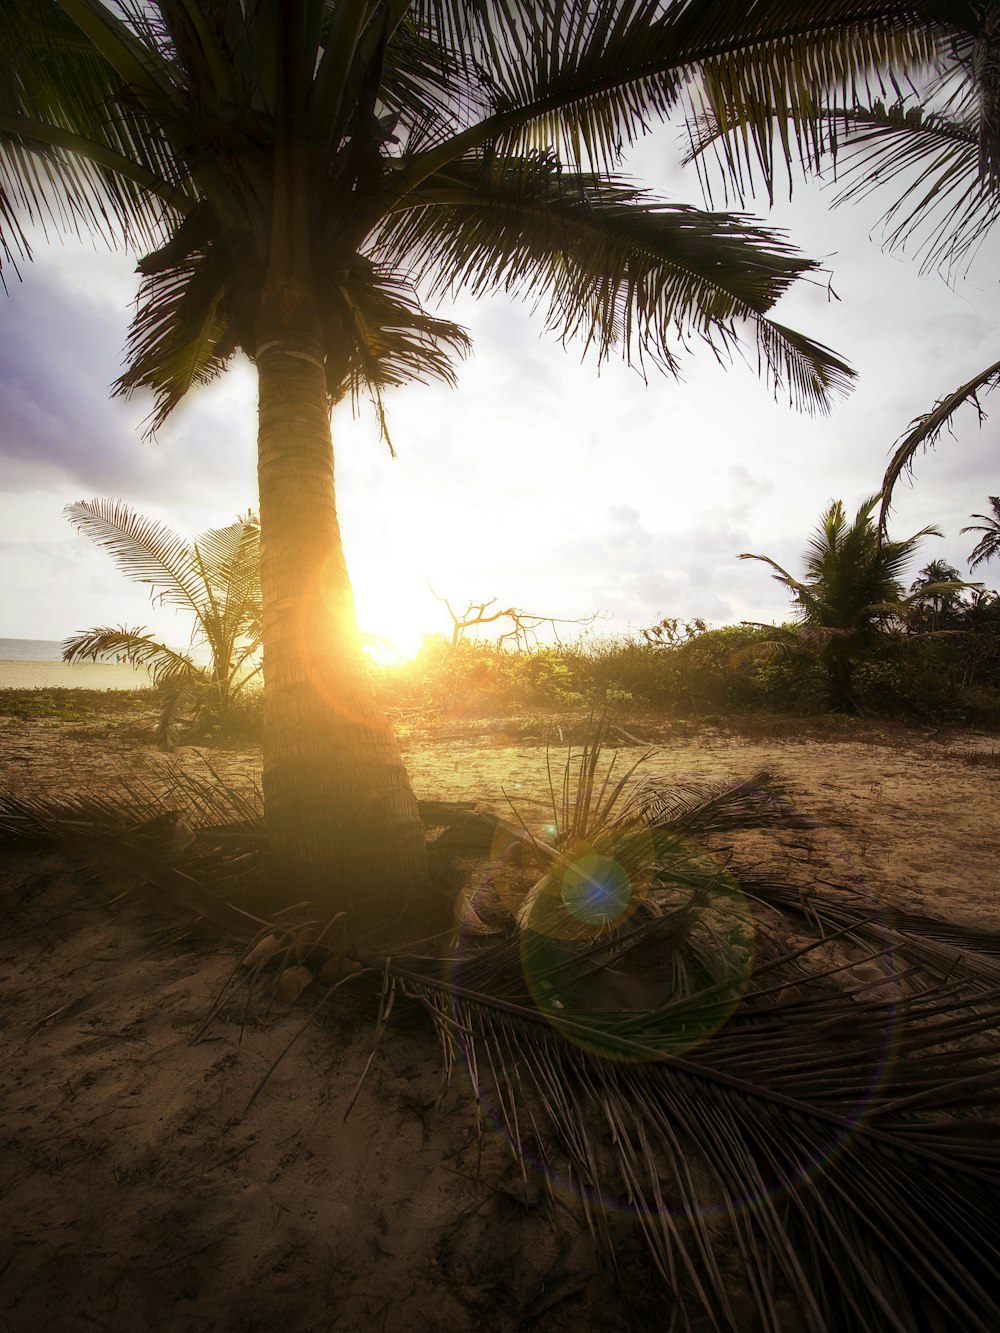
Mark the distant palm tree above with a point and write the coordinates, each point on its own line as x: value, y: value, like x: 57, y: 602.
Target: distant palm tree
x: 850, y: 597
x: 936, y: 594
x: 215, y: 578
x: 988, y: 545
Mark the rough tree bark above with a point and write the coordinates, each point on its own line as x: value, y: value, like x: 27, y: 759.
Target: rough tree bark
x: 343, y: 824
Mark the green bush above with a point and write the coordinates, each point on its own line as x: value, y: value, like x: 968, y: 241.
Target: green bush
x: 697, y: 675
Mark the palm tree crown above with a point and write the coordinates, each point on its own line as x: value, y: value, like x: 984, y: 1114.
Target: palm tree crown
x: 851, y: 592
x: 988, y: 545
x: 371, y: 147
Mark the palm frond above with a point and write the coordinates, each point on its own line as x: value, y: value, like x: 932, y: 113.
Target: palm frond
x: 592, y: 77
x: 230, y: 556
x: 392, y: 339
x: 138, y: 648
x: 229, y: 563
x: 76, y: 151
x: 925, y: 431
x: 927, y: 162
x: 768, y: 650
x: 765, y: 109
x: 616, y: 268
x: 728, y: 805
x: 425, y: 86
x: 144, y: 550
x: 781, y: 575
x: 943, y: 203
x: 988, y: 545
x: 178, y: 336
x: 782, y: 1144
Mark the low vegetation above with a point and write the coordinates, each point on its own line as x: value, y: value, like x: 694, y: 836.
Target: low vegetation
x: 687, y: 674
x: 706, y: 675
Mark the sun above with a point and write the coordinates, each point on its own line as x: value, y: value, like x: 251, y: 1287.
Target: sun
x: 395, y: 617
x: 391, y: 652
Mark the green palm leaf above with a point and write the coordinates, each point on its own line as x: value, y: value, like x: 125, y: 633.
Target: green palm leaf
x: 988, y: 545
x: 393, y: 339
x: 174, y: 341
x: 63, y: 160
x: 137, y: 647
x: 925, y: 431
x: 616, y: 268
x: 216, y: 579
x: 229, y: 560
x: 144, y: 550
x: 944, y: 203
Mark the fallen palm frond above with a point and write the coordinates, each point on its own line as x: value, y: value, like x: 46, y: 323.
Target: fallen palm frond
x: 787, y: 1091
x: 825, y: 1143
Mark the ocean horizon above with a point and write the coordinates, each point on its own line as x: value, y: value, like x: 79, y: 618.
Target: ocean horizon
x: 30, y: 650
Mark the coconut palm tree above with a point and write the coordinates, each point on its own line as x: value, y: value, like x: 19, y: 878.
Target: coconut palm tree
x: 929, y: 604
x: 216, y: 578
x: 299, y: 179
x: 988, y: 545
x: 850, y: 597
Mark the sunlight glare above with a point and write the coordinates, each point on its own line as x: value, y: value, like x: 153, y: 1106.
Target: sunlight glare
x: 383, y: 651
x: 395, y: 615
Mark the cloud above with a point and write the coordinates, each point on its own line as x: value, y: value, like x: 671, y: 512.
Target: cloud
x: 62, y: 430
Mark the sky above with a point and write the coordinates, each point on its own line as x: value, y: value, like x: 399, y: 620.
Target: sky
x: 556, y: 485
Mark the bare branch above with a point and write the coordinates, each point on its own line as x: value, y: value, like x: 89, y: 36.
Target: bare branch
x: 524, y: 625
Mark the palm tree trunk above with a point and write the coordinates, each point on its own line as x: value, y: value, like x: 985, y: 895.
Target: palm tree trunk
x: 840, y: 671
x: 343, y: 824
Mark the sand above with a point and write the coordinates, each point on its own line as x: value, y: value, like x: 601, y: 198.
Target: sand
x: 147, y: 1182
x: 16, y: 675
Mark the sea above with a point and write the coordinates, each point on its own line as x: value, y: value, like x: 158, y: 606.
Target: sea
x: 30, y: 650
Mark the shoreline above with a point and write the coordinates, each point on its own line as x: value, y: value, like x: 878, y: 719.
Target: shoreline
x: 24, y: 675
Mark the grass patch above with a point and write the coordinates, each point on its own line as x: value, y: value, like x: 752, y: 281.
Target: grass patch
x: 82, y: 706
x: 981, y: 758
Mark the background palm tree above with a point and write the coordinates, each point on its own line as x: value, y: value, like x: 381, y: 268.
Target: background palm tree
x: 988, y: 545
x: 850, y: 597
x: 216, y: 578
x: 936, y: 595
x: 290, y: 172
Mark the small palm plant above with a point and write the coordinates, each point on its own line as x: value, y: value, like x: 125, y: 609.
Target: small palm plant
x: 850, y: 600
x: 216, y: 578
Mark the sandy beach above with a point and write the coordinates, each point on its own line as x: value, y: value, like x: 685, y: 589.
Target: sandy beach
x: 16, y: 675
x: 150, y: 1181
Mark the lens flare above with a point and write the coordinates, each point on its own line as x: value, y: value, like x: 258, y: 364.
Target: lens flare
x: 596, y: 889
x: 706, y: 923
